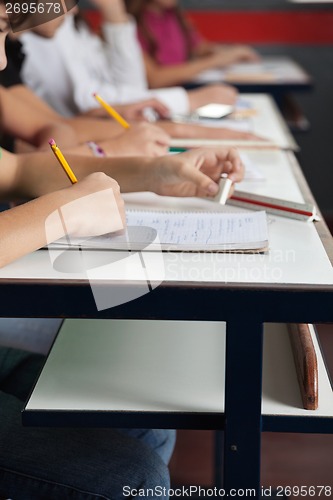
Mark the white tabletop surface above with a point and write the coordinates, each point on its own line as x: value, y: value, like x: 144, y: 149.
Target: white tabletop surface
x: 296, y: 255
x: 270, y: 69
x: 267, y: 123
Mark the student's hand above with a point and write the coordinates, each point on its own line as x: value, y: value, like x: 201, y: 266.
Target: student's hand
x: 234, y: 54
x: 196, y: 172
x: 93, y: 206
x: 223, y: 94
x: 136, y: 111
x: 141, y: 139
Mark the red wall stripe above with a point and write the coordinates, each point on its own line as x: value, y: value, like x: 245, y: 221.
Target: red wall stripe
x: 307, y: 27
x: 301, y: 27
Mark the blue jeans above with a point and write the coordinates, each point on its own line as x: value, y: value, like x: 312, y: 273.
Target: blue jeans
x: 75, y: 464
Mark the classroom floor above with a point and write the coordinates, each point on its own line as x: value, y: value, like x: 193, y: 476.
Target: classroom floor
x: 287, y: 459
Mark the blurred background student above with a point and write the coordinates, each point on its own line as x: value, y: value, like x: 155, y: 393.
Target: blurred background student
x: 78, y: 63
x: 28, y: 123
x: 83, y: 63
x: 174, y: 52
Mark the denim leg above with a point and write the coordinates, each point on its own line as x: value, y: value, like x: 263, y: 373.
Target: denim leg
x: 161, y: 440
x: 18, y: 371
x: 73, y: 464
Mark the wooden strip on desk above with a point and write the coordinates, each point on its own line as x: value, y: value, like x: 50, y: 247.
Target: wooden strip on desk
x: 306, y: 364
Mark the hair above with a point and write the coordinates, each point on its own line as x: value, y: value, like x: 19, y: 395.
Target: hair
x: 16, y: 20
x: 137, y: 9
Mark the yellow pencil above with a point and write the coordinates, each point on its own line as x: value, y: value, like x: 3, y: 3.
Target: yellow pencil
x: 62, y: 160
x: 112, y: 111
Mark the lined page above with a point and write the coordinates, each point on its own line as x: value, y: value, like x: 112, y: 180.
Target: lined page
x: 204, y: 230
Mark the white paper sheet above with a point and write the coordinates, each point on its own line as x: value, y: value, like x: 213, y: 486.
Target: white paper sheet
x: 204, y: 230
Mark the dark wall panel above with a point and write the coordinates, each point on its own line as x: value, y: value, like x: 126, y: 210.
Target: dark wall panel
x: 250, y: 5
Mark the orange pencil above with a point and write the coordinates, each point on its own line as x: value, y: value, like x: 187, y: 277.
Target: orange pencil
x: 112, y: 112
x: 62, y: 160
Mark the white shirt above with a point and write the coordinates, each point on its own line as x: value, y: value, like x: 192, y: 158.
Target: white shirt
x: 66, y: 70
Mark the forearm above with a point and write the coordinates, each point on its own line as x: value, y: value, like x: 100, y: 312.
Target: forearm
x: 191, y: 131
x: 205, y: 48
x: 107, y: 148
x: 64, y: 134
x: 25, y: 94
x: 165, y: 76
x: 38, y: 174
x: 24, y: 120
x: 23, y: 228
x: 88, y: 128
x: 188, y: 130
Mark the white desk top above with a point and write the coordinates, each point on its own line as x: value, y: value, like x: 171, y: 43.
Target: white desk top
x: 270, y: 70
x: 296, y: 255
x: 163, y: 366
x: 267, y: 123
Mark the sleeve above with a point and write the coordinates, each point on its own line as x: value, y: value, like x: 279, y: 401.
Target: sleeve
x: 123, y: 52
x: 80, y: 68
x: 112, y: 78
x: 93, y: 66
x: 175, y: 98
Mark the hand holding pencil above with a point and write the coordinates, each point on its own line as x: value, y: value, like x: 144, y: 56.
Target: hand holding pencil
x: 91, y: 199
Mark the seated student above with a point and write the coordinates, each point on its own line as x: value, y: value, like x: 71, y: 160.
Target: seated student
x: 82, y: 63
x: 82, y: 463
x: 134, y: 111
x: 143, y: 139
x: 27, y: 119
x: 174, y: 52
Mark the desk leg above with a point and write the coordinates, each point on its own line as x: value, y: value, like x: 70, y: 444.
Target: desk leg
x: 243, y: 387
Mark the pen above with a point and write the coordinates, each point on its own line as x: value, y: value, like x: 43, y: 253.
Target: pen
x: 62, y: 160
x: 112, y: 112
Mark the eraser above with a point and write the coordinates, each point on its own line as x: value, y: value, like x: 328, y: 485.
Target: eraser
x: 224, y: 189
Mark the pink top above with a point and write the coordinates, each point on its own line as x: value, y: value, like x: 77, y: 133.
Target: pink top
x: 169, y: 37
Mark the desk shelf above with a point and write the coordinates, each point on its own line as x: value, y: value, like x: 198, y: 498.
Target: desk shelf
x: 164, y: 374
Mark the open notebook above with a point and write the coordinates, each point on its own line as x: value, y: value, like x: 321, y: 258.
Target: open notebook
x: 182, y: 231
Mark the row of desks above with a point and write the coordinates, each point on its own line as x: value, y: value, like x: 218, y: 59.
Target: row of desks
x: 199, y: 362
